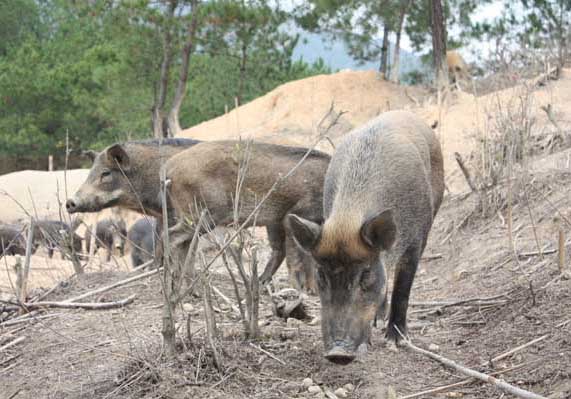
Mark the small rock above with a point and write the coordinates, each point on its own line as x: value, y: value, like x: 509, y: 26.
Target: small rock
x: 349, y: 387
x: 290, y: 387
x: 187, y: 307
x: 454, y: 395
x: 314, y: 389
x: 307, y: 382
x: 291, y: 322
x: 341, y: 392
x: 433, y: 347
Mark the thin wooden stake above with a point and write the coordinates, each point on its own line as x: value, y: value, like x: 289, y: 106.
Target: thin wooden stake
x: 23, y: 286
x: 561, y: 244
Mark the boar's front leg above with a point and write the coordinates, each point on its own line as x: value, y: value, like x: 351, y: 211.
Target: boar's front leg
x: 276, y: 237
x: 404, y: 277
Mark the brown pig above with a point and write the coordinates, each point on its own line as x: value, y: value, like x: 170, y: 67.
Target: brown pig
x: 383, y: 187
x: 207, y: 175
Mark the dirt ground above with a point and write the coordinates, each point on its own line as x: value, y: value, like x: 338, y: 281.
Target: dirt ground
x: 524, y: 297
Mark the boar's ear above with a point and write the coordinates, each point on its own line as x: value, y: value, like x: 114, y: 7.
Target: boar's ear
x: 90, y: 154
x: 305, y: 232
x: 117, y: 156
x: 379, y: 232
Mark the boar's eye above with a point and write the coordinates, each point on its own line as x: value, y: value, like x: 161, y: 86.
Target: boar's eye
x: 105, y: 174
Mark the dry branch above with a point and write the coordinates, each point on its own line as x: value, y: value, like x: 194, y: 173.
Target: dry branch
x: 82, y: 305
x: 465, y: 172
x: 518, y: 348
x: 267, y: 353
x: 117, y: 284
x: 492, y: 300
x: 456, y: 384
x: 504, y: 386
x: 12, y: 343
x: 23, y: 281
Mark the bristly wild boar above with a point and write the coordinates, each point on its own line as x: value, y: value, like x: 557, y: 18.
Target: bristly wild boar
x: 142, y: 238
x: 207, y: 175
x: 55, y: 234
x: 127, y: 175
x: 382, y: 190
x: 12, y: 241
x: 110, y: 234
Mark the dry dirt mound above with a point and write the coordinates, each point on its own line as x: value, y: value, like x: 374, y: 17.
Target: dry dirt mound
x: 37, y: 192
x: 290, y: 113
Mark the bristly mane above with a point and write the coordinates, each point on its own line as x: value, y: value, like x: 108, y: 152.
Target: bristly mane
x: 175, y: 142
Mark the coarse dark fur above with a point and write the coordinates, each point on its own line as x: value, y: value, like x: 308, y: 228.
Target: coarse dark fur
x: 109, y: 234
x: 141, y: 238
x: 55, y: 234
x: 12, y: 242
x: 206, y: 175
x: 383, y: 188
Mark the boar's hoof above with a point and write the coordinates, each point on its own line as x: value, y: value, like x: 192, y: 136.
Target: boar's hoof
x: 340, y: 355
x: 394, y: 336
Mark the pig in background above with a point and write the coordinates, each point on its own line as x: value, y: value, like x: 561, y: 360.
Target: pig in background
x: 110, y: 234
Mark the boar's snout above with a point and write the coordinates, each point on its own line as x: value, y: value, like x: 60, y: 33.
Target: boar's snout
x: 71, y: 206
x: 339, y: 354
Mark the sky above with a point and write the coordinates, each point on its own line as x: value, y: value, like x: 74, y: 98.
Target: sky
x: 335, y: 54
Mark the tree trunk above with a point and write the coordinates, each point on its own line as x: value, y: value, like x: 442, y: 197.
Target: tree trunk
x: 173, y: 119
x: 396, y: 60
x: 439, y: 44
x: 158, y: 114
x: 242, y: 78
x: 385, y: 53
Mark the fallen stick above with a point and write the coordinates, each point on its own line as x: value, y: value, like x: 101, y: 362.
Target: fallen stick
x: 115, y: 285
x: 27, y: 319
x: 82, y: 305
x: 504, y: 386
x: 431, y: 257
x: 457, y: 384
x: 517, y: 349
x: 226, y: 299
x: 267, y: 353
x: 12, y: 343
x: 472, y: 301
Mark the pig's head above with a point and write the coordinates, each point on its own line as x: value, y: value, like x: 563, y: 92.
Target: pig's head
x: 107, y: 184
x: 350, y: 277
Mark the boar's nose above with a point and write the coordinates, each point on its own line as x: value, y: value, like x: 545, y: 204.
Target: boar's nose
x: 70, y: 205
x: 340, y: 355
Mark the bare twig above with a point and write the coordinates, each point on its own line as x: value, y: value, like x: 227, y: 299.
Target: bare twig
x: 23, y: 283
x: 518, y: 348
x: 12, y: 343
x: 210, y: 322
x: 465, y: 172
x: 267, y: 353
x: 117, y: 284
x: 75, y: 305
x: 504, y: 386
x: 457, y: 384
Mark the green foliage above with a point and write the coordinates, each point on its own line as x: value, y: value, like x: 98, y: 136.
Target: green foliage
x: 90, y: 69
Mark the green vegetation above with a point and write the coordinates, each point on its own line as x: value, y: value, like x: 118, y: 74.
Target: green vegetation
x: 92, y: 69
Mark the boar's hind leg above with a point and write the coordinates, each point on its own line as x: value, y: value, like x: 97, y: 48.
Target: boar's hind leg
x: 276, y: 237
x: 404, y: 276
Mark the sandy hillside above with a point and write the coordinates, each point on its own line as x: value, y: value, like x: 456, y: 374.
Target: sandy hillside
x: 290, y: 113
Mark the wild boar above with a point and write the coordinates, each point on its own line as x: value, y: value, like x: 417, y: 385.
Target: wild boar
x: 142, y: 238
x: 12, y: 242
x: 382, y: 190
x: 110, y: 234
x: 127, y: 175
x: 457, y: 68
x: 207, y: 175
x: 55, y: 234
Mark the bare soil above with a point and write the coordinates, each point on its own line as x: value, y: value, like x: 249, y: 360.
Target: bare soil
x: 117, y: 353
